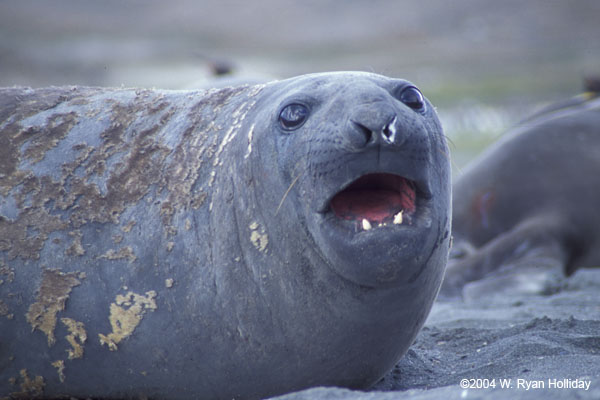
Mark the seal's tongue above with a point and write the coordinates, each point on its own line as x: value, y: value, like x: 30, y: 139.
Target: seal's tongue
x: 377, y: 198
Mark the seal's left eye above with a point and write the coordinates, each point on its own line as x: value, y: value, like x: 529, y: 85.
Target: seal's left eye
x: 412, y: 97
x: 293, y: 116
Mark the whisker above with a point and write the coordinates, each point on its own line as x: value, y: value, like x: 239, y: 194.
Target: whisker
x: 287, y: 192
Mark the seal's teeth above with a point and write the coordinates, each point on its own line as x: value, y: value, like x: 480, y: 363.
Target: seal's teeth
x: 398, y: 218
x: 366, y: 224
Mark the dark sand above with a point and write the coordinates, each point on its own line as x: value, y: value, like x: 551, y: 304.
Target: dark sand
x: 524, y: 338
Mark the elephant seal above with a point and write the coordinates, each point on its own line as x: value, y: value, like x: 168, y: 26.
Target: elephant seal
x: 234, y: 243
x: 530, y: 200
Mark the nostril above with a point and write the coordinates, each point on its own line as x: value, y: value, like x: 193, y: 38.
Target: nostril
x: 365, y: 132
x: 389, y: 131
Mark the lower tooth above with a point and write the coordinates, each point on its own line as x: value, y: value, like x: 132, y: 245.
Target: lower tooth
x: 398, y: 218
x: 366, y: 224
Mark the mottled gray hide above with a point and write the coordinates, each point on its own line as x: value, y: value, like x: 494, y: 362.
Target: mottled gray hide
x: 529, y: 204
x: 175, y: 244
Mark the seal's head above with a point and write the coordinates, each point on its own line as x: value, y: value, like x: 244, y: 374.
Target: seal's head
x: 365, y: 167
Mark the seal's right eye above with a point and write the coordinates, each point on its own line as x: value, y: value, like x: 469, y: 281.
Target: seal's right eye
x: 293, y: 116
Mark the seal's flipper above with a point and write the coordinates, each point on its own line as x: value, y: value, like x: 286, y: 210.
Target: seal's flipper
x: 534, y: 245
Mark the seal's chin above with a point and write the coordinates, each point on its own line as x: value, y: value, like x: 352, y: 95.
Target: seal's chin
x: 375, y: 200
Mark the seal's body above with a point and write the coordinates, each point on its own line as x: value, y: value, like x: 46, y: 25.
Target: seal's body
x: 531, y: 199
x: 241, y: 242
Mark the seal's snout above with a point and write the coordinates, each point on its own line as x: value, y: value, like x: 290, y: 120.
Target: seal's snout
x: 375, y: 123
x: 385, y: 134
x: 372, y: 127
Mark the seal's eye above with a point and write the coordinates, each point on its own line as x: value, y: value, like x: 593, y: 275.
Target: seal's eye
x: 293, y: 116
x: 412, y: 97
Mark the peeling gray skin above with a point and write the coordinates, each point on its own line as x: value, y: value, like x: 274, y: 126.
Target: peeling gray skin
x: 181, y: 244
x: 529, y: 201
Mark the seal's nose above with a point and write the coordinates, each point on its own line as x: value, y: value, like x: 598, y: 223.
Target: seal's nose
x: 374, y: 125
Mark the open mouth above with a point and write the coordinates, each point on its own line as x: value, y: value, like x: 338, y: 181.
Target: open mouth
x: 375, y: 200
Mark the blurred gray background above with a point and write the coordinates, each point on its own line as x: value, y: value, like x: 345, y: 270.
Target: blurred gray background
x: 484, y: 63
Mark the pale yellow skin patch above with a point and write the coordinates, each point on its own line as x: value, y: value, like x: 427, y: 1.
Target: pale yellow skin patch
x: 127, y: 228
x: 125, y: 315
x: 5, y: 311
x: 76, y: 337
x: 7, y: 275
x: 250, y: 134
x: 117, y: 238
x: 123, y: 252
x: 76, y: 249
x: 60, y: 368
x: 29, y: 387
x: 52, y: 296
x: 258, y: 237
